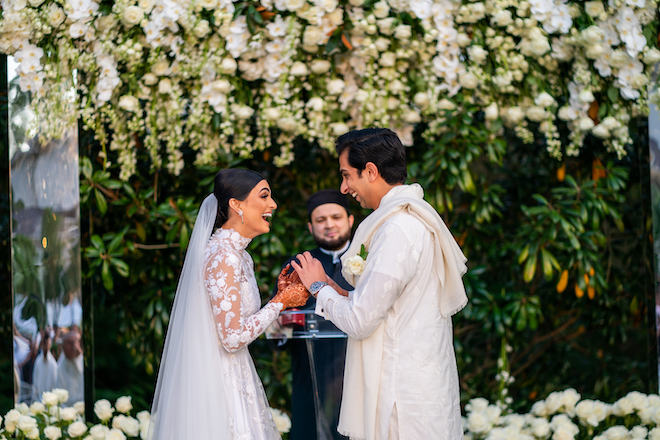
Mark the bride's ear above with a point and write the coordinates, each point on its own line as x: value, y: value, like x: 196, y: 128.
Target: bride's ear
x: 234, y: 205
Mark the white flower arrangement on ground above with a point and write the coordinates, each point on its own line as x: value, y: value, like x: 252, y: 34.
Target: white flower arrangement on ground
x: 564, y: 415
x: 235, y: 76
x: 49, y: 419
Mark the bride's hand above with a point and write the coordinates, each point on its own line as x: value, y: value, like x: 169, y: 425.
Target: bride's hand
x: 293, y: 295
x: 284, y: 278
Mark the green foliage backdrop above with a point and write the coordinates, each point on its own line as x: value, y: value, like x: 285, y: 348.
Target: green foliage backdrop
x: 559, y: 255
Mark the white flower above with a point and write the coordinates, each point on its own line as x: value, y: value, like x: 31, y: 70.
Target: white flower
x: 202, y: 29
x: 422, y: 8
x: 468, y: 80
x: 320, y: 66
x: 567, y: 113
x: 600, y: 131
x: 26, y: 423
x: 129, y: 425
x: 228, y: 66
x: 56, y: 15
x: 585, y: 124
x: 79, y: 407
x: 68, y: 414
x: 129, y: 103
x: 287, y: 124
x: 123, y: 404
x: 164, y: 86
x: 544, y: 100
x: 515, y: 115
x: 161, y: 68
x: 586, y: 96
x: 132, y: 15
x: 536, y: 114
x: 299, y: 69
x: 355, y: 265
x: 294, y: 5
x: 37, y: 408
x: 335, y: 87
x: 49, y: 398
x: 388, y: 59
x: 313, y: 35
x: 98, y: 432
x: 77, y: 429
x: 315, y: 104
x: 477, y: 54
x: 594, y: 9
x: 77, y: 29
x: 115, y: 434
x: 282, y: 421
x: 402, y: 32
x: 52, y: 432
x: 502, y: 18
x: 242, y: 111
x: 381, y: 10
x: 103, y: 410
x: 443, y: 104
x: 491, y: 112
x: 338, y: 128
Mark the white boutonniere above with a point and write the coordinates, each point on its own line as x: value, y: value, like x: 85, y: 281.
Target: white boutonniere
x: 357, y: 263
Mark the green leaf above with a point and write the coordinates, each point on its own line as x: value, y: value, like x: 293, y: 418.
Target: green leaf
x: 523, y: 255
x: 530, y: 269
x: 546, y: 260
x: 106, y: 276
x: 100, y: 201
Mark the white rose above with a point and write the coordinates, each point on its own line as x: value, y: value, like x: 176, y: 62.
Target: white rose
x: 282, y: 421
x: 355, y: 265
x: 37, y: 408
x: 536, y: 113
x: 385, y: 25
x: 49, y: 398
x: 594, y: 9
x: 402, y: 32
x: 422, y: 100
x: 585, y: 124
x: 271, y: 114
x: 32, y: 434
x: 164, y: 87
x: 382, y: 44
x: 338, y: 128
x: 76, y: 429
x: 132, y: 15
x: 35, y: 3
x: 294, y: 5
x: 594, y: 51
x: 77, y: 29
x: 445, y: 104
x: 115, y: 434
x: 146, y: 5
x: 468, y: 80
x: 335, y: 87
x: 103, y: 410
x: 600, y: 131
x: 463, y: 39
x: 207, y: 4
x: 68, y: 414
x: 243, y: 111
x: 412, y: 117
x: 336, y: 17
x: 381, y: 10
x: 26, y: 423
x: 315, y: 104
x: 361, y: 95
x: 586, y: 96
x: 129, y: 103
x: 539, y: 46
x: 221, y: 86
x: 55, y: 15
x: 144, y: 417
x: 98, y: 432
x: 544, y: 100
x: 130, y: 426
x: 651, y: 56
x: 52, y: 432
x: 313, y: 36
x: 540, y: 427
x: 514, y: 114
x: 287, y: 124
x: 149, y: 79
x: 611, y: 123
x: 478, y: 422
x: 477, y: 54
x: 388, y: 59
x: 202, y: 29
x: 491, y: 112
x: 299, y: 69
x: 567, y: 113
x: 161, y: 68
x: 123, y: 404
x: 502, y: 18
x: 320, y: 66
x: 593, y: 34
x: 228, y: 66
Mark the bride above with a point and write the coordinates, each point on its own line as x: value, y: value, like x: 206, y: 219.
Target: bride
x: 208, y: 388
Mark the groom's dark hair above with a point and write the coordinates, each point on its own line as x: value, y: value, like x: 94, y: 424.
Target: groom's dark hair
x: 380, y: 146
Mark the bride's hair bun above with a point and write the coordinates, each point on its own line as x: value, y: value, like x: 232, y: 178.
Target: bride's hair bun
x: 232, y: 183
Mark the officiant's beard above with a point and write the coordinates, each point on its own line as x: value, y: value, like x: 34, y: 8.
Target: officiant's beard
x: 333, y: 245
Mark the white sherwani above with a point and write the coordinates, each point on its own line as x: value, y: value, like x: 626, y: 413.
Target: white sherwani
x: 401, y: 380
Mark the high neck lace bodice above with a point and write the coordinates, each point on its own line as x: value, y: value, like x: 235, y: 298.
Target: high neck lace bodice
x: 229, y: 237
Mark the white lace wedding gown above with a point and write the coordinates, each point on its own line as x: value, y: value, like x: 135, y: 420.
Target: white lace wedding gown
x: 235, y: 302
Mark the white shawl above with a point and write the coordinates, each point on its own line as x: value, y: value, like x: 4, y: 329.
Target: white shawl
x: 362, y: 380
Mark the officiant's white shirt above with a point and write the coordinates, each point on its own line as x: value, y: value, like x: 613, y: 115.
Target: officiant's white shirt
x: 401, y: 379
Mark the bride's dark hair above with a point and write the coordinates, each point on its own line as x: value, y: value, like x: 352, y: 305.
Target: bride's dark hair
x: 232, y: 183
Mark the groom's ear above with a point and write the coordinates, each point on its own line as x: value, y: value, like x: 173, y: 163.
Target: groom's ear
x: 372, y: 171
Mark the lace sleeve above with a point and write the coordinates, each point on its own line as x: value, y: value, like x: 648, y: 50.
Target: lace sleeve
x: 223, y: 284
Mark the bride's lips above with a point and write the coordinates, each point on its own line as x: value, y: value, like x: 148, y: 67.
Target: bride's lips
x: 268, y: 217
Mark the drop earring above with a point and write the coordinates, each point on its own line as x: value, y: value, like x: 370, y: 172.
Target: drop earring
x: 240, y: 213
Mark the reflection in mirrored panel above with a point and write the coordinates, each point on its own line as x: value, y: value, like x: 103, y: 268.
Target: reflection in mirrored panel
x: 45, y: 222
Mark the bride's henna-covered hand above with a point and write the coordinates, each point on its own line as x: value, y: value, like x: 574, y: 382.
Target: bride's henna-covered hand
x: 293, y: 295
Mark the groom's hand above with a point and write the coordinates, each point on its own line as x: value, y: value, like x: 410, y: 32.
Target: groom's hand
x: 309, y: 270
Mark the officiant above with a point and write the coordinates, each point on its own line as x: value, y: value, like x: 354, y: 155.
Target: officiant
x: 330, y: 223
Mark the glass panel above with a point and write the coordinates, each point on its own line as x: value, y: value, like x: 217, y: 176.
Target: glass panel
x: 45, y: 222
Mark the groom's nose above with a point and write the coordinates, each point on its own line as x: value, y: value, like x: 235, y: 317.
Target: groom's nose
x: 343, y: 188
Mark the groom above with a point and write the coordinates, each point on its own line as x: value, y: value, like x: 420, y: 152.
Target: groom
x: 401, y: 380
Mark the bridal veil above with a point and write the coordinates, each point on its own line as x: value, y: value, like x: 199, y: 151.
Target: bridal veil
x: 189, y: 402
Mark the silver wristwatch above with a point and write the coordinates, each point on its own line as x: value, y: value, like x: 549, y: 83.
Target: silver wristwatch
x: 316, y: 286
